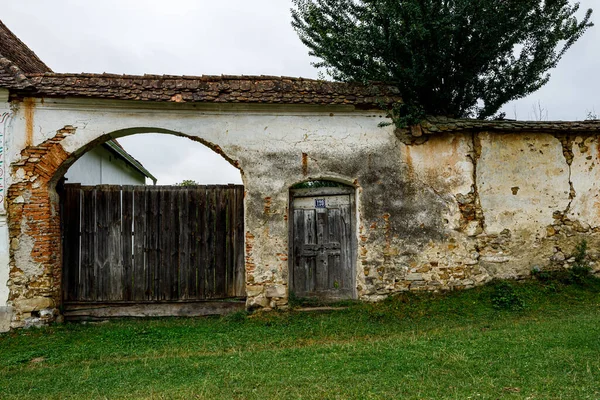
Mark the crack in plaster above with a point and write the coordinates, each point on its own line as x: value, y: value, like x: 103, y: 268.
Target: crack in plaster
x: 567, y: 147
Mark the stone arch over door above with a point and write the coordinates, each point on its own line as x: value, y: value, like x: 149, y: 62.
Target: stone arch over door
x: 34, y: 221
x: 322, y: 240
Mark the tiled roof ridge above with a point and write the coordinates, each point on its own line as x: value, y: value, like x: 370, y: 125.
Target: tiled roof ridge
x: 223, y: 77
x: 19, y: 53
x: 11, y: 75
x: 440, y: 125
x: 213, y: 89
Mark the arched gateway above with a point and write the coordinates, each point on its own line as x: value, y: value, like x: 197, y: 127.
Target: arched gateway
x: 444, y: 205
x: 238, y: 117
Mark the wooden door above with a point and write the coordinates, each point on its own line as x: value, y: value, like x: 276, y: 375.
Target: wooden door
x: 322, y: 237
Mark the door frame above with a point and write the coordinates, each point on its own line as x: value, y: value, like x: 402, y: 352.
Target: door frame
x: 324, y: 191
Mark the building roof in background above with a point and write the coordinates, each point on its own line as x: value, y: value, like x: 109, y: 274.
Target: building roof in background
x: 116, y: 148
x: 13, y: 49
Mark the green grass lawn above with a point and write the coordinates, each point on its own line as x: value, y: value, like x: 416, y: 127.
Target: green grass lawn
x: 455, y: 346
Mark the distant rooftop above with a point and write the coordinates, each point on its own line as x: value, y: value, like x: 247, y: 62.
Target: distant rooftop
x: 12, y: 48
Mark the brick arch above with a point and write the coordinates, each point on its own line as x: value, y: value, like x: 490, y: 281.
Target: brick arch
x: 34, y: 222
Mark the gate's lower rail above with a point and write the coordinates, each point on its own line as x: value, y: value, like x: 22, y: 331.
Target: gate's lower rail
x: 103, y: 311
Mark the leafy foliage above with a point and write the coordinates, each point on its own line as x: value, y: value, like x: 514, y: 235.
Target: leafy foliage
x: 505, y: 297
x: 579, y: 274
x: 188, y: 182
x: 456, y: 58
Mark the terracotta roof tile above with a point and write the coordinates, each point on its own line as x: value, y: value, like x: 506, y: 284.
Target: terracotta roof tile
x: 209, y: 88
x: 12, y: 48
x: 11, y: 76
x: 441, y: 125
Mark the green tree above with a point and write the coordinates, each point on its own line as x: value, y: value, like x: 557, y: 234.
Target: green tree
x: 187, y: 182
x: 455, y: 58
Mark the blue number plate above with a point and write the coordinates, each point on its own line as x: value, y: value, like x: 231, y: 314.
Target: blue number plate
x: 320, y: 203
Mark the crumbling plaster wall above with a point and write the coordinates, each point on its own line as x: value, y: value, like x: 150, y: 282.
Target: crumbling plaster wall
x: 441, y: 212
x: 5, y: 123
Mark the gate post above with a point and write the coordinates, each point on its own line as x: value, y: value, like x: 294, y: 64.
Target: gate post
x: 34, y: 233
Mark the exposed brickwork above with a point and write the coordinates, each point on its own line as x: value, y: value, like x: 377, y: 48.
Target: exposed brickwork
x: 34, y: 228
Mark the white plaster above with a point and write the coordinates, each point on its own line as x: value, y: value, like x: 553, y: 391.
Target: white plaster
x: 585, y: 176
x: 534, y: 165
x: 5, y: 123
x: 443, y: 164
x: 4, y: 261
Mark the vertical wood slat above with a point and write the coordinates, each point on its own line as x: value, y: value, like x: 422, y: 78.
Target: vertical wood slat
x: 140, y: 251
x: 203, y: 233
x: 101, y: 265
x: 310, y: 238
x: 71, y: 218
x: 153, y: 235
x: 153, y: 243
x: 220, y: 266
x: 209, y: 267
x: 299, y: 273
x: 127, y: 279
x: 183, y: 252
x: 229, y: 235
x: 334, y: 273
x: 114, y: 282
x: 238, y: 244
x: 322, y: 268
x: 174, y: 265
x: 88, y: 228
x: 193, y: 256
x: 347, y: 273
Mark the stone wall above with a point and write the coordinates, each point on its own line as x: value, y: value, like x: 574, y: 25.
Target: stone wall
x: 439, y: 207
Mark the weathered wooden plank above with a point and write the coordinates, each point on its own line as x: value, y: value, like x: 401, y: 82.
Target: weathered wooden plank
x: 153, y: 235
x: 347, y: 266
x: 299, y: 273
x: 71, y: 215
x: 88, y: 229
x: 202, y: 234
x: 238, y: 244
x: 334, y: 272
x: 229, y: 232
x: 322, y: 267
x: 127, y: 281
x: 193, y: 255
x: 188, y: 309
x: 310, y: 237
x: 114, y: 277
x: 102, y: 261
x: 183, y: 247
x: 164, y: 282
x: 140, y: 273
x: 220, y: 243
x: 173, y: 255
x: 211, y: 222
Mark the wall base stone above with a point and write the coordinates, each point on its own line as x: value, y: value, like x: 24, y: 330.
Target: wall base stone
x: 6, y: 314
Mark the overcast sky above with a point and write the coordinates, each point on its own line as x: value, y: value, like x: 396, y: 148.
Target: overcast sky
x: 250, y: 37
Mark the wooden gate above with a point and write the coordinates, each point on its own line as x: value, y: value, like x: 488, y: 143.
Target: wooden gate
x: 322, y: 243
x: 152, y: 244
